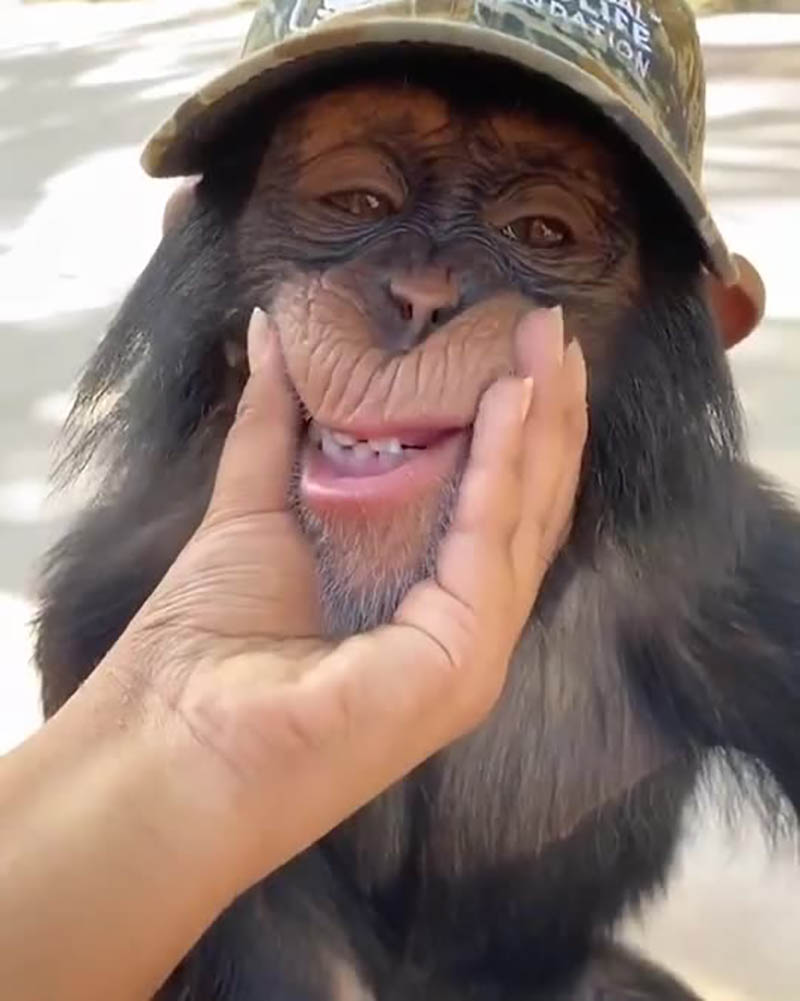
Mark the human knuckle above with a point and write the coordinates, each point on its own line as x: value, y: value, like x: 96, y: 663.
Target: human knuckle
x: 463, y: 625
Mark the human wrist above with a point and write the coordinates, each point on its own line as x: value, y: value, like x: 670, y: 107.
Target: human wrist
x: 181, y: 800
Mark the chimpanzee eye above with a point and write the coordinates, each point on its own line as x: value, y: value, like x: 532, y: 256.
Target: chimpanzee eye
x: 360, y: 204
x: 538, y: 231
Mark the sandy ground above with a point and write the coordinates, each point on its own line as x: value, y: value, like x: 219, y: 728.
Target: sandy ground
x: 81, y: 86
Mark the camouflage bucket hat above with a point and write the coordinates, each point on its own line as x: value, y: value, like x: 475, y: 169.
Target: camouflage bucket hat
x: 638, y: 61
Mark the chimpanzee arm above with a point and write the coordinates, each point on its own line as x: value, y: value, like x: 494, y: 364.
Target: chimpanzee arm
x: 614, y: 973
x: 301, y: 935
x: 610, y: 972
x: 729, y: 675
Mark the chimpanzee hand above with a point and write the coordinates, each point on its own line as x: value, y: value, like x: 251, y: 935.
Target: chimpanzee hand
x: 231, y: 640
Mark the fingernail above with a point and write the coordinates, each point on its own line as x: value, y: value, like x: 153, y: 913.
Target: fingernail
x: 540, y: 342
x: 258, y: 339
x: 556, y: 315
x: 575, y: 366
x: 527, y: 396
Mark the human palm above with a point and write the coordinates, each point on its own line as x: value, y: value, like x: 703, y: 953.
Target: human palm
x: 232, y: 640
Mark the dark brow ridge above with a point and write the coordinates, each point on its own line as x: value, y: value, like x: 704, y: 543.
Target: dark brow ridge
x: 499, y: 163
x: 389, y: 137
x: 517, y: 157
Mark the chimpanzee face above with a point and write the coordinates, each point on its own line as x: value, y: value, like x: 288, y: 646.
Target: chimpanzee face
x: 413, y: 234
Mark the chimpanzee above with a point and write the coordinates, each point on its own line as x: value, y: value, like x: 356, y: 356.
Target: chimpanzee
x: 395, y: 183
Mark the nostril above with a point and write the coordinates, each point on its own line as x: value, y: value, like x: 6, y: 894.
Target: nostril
x: 423, y: 300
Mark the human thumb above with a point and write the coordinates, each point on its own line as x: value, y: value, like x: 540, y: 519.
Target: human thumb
x: 258, y: 455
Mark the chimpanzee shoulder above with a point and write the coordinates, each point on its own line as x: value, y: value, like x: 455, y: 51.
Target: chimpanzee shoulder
x: 726, y: 674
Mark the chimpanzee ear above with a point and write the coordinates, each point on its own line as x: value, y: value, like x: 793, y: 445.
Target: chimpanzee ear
x: 179, y: 204
x: 737, y: 308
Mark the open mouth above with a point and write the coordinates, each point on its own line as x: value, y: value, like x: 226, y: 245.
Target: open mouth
x: 379, y: 465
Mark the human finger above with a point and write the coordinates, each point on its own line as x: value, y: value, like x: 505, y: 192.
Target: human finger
x: 576, y: 428
x: 257, y: 458
x: 489, y: 495
x: 549, y: 454
x: 474, y: 557
x: 179, y: 204
x: 539, y: 342
x: 467, y: 603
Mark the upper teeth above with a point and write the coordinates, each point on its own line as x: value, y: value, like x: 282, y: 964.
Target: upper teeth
x: 335, y: 440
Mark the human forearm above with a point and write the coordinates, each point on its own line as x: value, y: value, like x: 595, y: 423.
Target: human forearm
x: 108, y: 865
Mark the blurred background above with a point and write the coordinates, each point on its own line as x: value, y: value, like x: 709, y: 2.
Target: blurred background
x: 81, y: 86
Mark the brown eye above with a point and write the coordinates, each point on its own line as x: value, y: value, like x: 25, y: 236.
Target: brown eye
x: 361, y: 204
x: 538, y: 231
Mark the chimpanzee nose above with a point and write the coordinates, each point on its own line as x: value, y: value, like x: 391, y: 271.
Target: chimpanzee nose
x: 426, y: 299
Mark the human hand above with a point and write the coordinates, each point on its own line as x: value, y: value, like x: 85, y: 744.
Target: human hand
x: 228, y: 654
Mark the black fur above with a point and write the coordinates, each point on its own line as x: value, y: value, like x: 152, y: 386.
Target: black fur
x: 670, y: 626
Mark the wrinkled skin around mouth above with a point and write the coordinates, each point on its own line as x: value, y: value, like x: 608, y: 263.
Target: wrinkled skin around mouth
x: 344, y: 380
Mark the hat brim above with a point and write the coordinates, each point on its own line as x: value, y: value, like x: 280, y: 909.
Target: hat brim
x: 178, y: 147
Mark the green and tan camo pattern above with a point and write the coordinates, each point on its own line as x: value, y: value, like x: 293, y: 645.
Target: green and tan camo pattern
x: 640, y: 59
x: 671, y: 94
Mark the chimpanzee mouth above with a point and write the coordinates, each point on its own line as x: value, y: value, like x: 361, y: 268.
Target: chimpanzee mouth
x: 386, y: 464
x: 386, y: 452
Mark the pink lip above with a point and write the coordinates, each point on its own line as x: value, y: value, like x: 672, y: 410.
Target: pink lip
x: 326, y: 487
